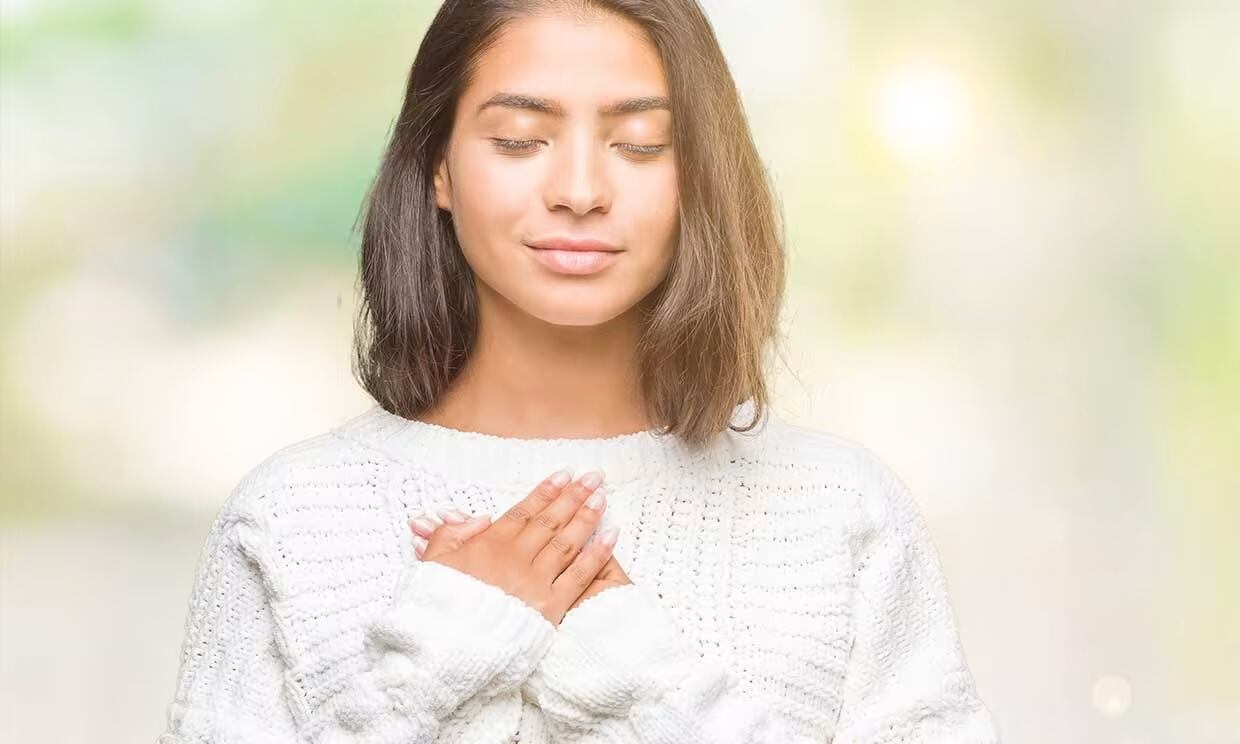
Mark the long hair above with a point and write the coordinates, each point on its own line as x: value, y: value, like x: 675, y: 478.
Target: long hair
x: 706, y: 328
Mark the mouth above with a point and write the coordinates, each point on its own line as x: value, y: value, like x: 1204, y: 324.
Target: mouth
x: 570, y: 243
x: 574, y: 261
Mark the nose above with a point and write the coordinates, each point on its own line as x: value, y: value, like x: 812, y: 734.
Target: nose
x: 578, y: 178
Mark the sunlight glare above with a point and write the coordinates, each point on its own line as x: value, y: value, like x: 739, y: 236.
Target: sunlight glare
x: 922, y: 111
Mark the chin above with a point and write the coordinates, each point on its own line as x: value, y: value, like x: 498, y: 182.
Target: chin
x: 587, y: 307
x: 578, y: 304
x: 584, y: 316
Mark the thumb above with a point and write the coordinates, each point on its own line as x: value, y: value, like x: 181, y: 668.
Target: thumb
x: 449, y: 537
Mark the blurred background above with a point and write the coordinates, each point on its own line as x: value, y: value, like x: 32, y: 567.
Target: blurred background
x: 1014, y: 231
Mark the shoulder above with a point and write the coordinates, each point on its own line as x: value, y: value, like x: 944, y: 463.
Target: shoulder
x: 805, y: 452
x: 315, y: 499
x: 818, y: 449
x: 315, y: 471
x: 840, y: 468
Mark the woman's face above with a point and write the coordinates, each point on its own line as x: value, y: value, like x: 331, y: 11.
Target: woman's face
x: 536, y: 157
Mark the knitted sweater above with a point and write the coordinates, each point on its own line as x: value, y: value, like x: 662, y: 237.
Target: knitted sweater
x: 785, y: 590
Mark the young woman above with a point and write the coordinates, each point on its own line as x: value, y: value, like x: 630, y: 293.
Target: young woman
x: 571, y: 257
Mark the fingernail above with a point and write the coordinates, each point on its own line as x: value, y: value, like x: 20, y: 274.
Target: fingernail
x: 592, y: 478
x: 596, y: 499
x: 608, y: 536
x: 453, y: 516
x: 561, y: 477
x: 428, y: 517
x: 423, y: 524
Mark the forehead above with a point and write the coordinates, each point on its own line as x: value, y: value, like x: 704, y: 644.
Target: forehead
x: 583, y: 65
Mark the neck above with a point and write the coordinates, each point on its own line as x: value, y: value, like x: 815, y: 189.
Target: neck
x: 530, y: 378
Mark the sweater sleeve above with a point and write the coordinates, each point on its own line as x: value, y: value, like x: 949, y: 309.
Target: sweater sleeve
x: 907, y: 679
x: 620, y: 670
x: 446, y: 638
x: 229, y: 686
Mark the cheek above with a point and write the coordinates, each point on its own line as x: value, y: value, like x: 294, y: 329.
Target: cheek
x: 486, y: 204
x: 659, y: 210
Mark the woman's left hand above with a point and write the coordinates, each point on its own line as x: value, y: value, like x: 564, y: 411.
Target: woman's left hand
x: 426, y: 540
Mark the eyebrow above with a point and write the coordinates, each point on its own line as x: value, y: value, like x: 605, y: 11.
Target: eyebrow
x: 555, y: 108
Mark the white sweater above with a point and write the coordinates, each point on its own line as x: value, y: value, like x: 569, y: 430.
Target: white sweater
x: 785, y: 590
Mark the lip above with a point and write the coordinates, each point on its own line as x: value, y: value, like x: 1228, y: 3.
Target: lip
x: 574, y: 256
x: 564, y: 243
x: 575, y: 262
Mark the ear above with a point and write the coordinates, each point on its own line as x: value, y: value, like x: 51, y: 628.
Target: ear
x: 443, y: 185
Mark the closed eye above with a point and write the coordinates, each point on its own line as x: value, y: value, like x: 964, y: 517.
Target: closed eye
x: 512, y: 145
x: 643, y: 149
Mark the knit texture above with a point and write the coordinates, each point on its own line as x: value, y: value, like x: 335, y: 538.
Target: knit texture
x: 785, y: 589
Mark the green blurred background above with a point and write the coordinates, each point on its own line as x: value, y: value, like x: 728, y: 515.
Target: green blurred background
x: 1014, y: 231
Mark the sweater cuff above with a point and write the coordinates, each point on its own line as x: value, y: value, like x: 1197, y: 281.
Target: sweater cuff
x: 446, y: 637
x: 615, y: 649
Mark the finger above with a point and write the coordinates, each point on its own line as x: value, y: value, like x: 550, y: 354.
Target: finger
x: 612, y: 571
x: 452, y: 536
x: 563, y: 547
x: 513, y: 520
x: 545, y: 525
x: 585, y: 569
x: 452, y: 516
x: 423, y: 526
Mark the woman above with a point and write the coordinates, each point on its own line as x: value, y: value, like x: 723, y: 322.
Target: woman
x: 571, y: 256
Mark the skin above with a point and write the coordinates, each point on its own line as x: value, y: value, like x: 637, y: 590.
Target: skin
x: 555, y: 354
x: 537, y: 551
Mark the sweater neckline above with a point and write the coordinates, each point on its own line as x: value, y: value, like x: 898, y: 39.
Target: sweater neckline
x: 494, y: 460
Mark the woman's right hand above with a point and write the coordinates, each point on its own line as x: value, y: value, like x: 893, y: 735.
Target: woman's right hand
x: 537, y: 550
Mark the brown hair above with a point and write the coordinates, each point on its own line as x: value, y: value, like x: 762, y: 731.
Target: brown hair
x: 706, y: 327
